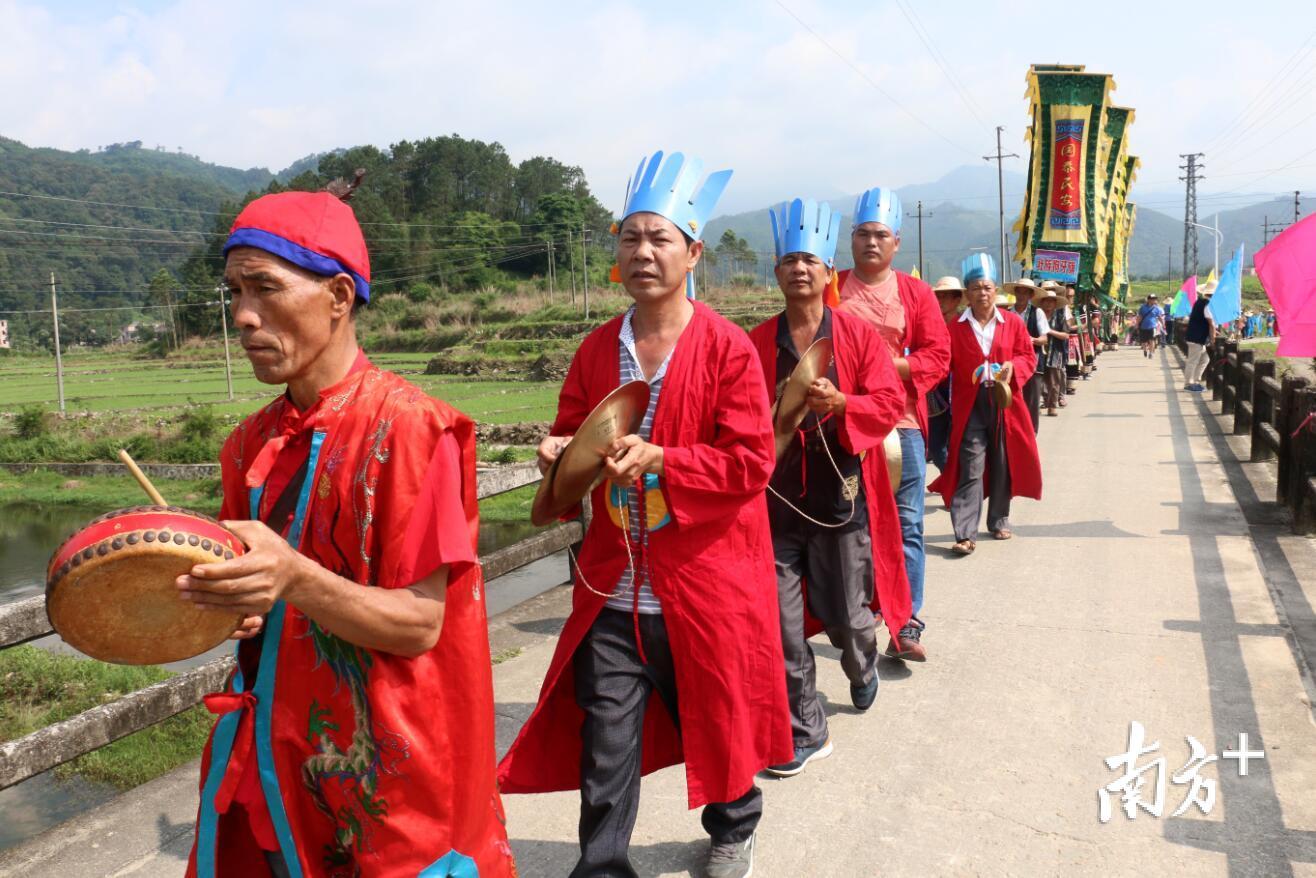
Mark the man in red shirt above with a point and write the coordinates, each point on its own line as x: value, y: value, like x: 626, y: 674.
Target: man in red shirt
x: 356, y: 735
x: 835, y: 531
x: 672, y: 652
x: 905, y: 313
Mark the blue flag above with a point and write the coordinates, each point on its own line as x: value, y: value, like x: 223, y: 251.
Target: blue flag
x: 1227, y: 303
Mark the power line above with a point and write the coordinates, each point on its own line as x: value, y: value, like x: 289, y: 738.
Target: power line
x: 883, y: 92
x: 912, y: 17
x: 1252, y: 103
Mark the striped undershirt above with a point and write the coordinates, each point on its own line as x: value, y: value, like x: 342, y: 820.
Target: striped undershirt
x: 622, y: 598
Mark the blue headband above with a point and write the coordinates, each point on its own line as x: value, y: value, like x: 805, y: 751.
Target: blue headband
x: 670, y: 192
x: 805, y: 227
x: 977, y: 266
x: 878, y: 205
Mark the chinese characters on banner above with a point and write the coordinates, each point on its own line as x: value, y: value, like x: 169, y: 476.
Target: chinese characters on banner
x: 1143, y: 786
x: 1061, y: 265
x: 1066, y: 179
x: 4, y: 333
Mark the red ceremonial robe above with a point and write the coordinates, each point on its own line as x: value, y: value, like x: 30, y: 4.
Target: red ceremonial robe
x: 926, y: 343
x: 1011, y: 342
x: 711, y: 568
x: 366, y: 763
x: 874, y: 402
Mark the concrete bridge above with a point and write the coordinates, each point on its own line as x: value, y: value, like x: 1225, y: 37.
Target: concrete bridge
x: 1156, y: 583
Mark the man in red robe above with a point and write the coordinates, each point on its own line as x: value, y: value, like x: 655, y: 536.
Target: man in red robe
x: 355, y: 737
x: 904, y: 311
x: 834, y: 527
x: 672, y: 651
x: 993, y: 450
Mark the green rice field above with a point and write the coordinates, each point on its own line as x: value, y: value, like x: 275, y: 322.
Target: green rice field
x: 123, y: 383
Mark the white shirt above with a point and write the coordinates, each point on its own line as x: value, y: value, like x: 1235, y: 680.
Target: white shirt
x: 623, y: 598
x: 984, y: 334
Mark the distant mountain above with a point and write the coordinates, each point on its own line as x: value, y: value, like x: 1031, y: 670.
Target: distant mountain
x: 105, y: 220
x: 307, y: 163
x: 960, y: 214
x: 440, y: 210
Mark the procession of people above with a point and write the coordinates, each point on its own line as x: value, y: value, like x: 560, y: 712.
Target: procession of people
x: 769, y: 488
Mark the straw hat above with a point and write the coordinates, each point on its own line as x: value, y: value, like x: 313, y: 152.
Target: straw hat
x: 1208, y: 290
x: 948, y: 284
x: 1021, y: 285
x: 1047, y: 291
x: 1003, y: 301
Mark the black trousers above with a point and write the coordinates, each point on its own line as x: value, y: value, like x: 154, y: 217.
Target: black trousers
x: 1033, y: 397
x: 613, y: 688
x: 831, y: 570
x: 982, y: 455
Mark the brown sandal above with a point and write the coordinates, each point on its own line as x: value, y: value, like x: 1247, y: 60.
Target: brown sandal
x: 1002, y: 534
x: 963, y: 547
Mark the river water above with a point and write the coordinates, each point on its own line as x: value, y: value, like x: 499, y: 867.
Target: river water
x: 28, y: 536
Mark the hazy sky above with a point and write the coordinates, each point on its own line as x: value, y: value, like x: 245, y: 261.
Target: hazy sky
x: 742, y: 84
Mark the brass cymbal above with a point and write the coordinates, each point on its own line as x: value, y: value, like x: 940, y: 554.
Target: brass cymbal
x: 1002, y: 394
x: 791, y: 406
x: 578, y: 466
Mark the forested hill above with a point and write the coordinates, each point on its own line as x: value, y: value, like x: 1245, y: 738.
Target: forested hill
x: 128, y: 226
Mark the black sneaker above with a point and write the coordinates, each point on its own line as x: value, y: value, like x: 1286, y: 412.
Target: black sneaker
x: 862, y: 697
x: 803, y: 756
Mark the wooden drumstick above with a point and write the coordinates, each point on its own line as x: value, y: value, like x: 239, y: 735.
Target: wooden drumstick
x: 141, y: 478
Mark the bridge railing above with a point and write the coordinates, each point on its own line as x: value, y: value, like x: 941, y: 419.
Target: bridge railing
x: 1278, y: 416
x: 25, y: 620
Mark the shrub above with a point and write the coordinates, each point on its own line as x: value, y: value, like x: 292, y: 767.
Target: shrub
x: 199, y: 423
x: 30, y: 422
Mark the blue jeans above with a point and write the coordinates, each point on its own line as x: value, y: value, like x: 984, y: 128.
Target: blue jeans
x: 938, y: 440
x: 909, y: 507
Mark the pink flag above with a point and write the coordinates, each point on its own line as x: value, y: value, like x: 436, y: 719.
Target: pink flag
x: 1287, y: 268
x: 1189, y: 289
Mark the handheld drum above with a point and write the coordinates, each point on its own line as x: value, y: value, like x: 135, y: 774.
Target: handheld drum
x: 110, y: 589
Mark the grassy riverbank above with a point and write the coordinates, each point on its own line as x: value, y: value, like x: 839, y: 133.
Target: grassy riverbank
x: 38, y: 689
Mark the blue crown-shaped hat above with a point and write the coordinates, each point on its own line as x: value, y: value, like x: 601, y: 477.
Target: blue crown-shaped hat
x: 805, y: 227
x: 668, y: 189
x: 878, y: 205
x: 977, y: 266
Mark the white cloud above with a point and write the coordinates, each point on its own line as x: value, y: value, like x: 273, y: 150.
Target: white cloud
x: 741, y: 84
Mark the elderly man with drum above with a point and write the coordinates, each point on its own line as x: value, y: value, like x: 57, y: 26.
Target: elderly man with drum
x: 355, y: 736
x: 672, y: 651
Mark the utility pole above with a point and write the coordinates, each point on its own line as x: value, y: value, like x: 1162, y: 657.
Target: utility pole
x: 1169, y: 269
x: 1270, y: 229
x: 571, y: 258
x: 550, y: 271
x: 1297, y: 194
x: 59, y: 359
x: 1192, y: 174
x: 584, y: 256
x: 1000, y: 191
x: 919, y: 216
x: 223, y: 319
